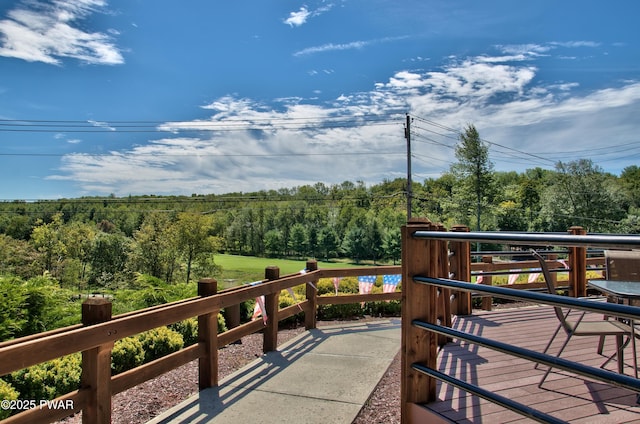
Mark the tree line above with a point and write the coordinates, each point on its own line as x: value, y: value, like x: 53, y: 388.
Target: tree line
x: 108, y: 241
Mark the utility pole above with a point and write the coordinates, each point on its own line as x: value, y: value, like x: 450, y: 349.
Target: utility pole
x: 407, y: 135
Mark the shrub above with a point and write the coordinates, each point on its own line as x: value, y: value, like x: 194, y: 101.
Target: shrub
x: 188, y: 329
x: 7, y: 392
x: 222, y: 324
x: 49, y: 379
x: 284, y: 301
x: 383, y: 309
x: 127, y: 353
x: 160, y: 342
x: 347, y: 311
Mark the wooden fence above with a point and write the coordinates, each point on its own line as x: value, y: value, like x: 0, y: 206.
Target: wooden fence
x: 99, y: 330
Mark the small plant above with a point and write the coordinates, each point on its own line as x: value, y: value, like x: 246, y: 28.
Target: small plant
x: 7, y: 392
x: 160, y: 342
x: 49, y: 379
x: 127, y: 353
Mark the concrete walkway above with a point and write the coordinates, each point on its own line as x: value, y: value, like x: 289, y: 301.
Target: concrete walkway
x: 322, y: 376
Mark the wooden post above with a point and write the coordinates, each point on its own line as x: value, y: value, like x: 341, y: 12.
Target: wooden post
x: 96, y: 366
x: 419, y: 257
x: 487, y: 280
x: 461, y: 269
x: 231, y: 315
x: 578, y: 265
x: 271, y: 303
x: 310, y: 318
x: 208, y: 337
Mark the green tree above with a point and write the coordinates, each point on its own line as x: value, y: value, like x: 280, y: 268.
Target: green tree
x: 12, y: 314
x: 630, y: 182
x: 475, y: 170
x: 298, y: 239
x: 273, y: 242
x: 328, y: 242
x: 355, y: 243
x: 154, y: 251
x: 582, y: 194
x: 192, y: 231
x: 47, y: 239
x: 78, y: 239
x: 392, y: 244
x: 109, y: 256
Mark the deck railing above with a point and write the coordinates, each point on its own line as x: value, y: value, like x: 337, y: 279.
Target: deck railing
x: 96, y: 336
x: 425, y: 274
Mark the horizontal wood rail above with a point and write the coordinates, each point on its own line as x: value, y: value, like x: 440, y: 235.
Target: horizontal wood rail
x: 98, y: 333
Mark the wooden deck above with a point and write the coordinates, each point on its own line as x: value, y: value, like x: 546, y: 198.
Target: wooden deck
x: 565, y: 396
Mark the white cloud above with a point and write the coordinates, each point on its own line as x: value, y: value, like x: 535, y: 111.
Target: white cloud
x: 345, y: 46
x: 298, y: 18
x: 36, y: 31
x: 246, y: 145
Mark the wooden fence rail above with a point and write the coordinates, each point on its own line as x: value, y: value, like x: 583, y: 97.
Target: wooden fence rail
x: 96, y: 336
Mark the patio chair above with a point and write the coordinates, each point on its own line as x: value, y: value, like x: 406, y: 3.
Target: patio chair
x: 580, y: 327
x: 620, y: 265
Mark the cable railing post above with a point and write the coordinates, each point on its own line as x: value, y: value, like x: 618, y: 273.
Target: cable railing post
x: 310, y: 315
x: 578, y: 265
x: 96, y: 365
x: 460, y: 266
x: 487, y: 280
x: 208, y: 337
x: 419, y: 257
x: 444, y: 298
x: 271, y: 300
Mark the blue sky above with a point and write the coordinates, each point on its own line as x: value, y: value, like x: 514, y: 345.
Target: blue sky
x: 162, y: 97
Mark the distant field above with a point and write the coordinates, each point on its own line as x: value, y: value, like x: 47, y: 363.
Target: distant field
x: 245, y: 269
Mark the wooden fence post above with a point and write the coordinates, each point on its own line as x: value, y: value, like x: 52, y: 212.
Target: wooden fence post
x: 461, y: 269
x: 271, y: 303
x: 419, y: 301
x: 96, y: 366
x: 208, y: 336
x: 487, y: 280
x: 310, y: 314
x: 578, y: 265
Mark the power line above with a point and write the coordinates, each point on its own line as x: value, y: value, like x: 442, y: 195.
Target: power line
x: 49, y: 126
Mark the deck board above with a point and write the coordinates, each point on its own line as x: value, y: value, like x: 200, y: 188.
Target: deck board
x: 564, y: 395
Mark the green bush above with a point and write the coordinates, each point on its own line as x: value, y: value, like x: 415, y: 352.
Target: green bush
x: 246, y: 310
x: 285, y: 300
x: 383, y: 309
x: 188, y: 329
x: 333, y: 312
x: 160, y: 342
x: 49, y: 379
x: 127, y: 353
x: 222, y: 324
x: 7, y: 392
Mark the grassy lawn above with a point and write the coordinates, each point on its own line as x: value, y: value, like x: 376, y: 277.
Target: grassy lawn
x: 245, y: 269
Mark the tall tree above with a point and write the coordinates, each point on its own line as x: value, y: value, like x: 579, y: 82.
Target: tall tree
x: 582, y: 194
x: 193, y: 238
x: 474, y: 168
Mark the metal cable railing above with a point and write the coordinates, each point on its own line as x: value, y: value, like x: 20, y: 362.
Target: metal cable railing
x: 609, y: 309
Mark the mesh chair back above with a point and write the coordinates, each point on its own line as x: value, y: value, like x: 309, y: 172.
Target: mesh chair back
x: 622, y: 265
x: 550, y: 287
